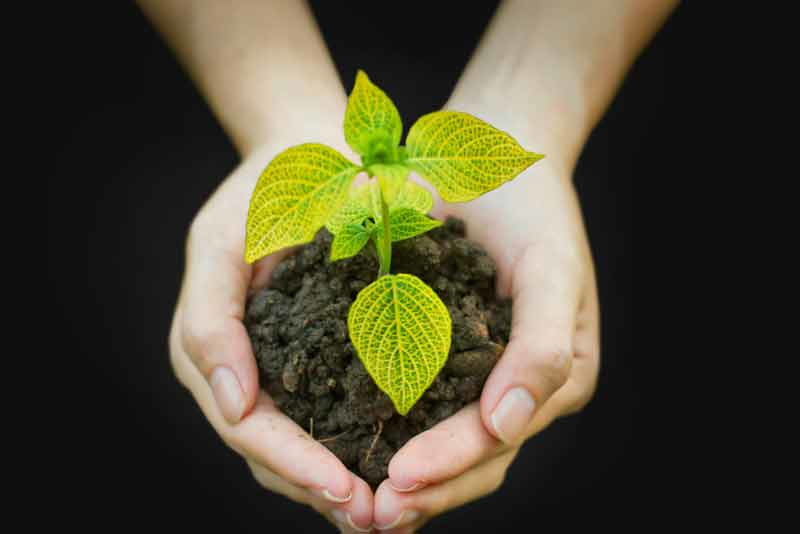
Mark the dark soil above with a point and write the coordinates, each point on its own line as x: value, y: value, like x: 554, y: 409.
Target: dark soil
x: 298, y: 327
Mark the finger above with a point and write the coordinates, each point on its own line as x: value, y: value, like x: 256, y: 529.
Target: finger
x: 445, y: 451
x: 536, y: 363
x: 402, y: 512
x: 273, y: 482
x: 353, y: 516
x: 582, y: 382
x: 212, y: 332
x: 272, y: 440
x: 356, y: 516
x: 587, y: 350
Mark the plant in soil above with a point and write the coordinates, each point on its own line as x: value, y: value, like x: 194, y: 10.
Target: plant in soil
x: 409, y: 302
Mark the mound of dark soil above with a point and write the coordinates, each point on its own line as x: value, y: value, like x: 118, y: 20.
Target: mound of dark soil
x: 298, y: 327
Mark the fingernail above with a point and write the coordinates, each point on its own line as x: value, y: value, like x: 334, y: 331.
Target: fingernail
x: 346, y: 521
x: 228, y: 393
x: 512, y: 415
x: 333, y: 498
x: 414, y: 486
x: 408, y: 516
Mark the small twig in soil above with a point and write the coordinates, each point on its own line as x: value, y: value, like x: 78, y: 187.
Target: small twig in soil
x: 374, y: 441
x: 331, y: 438
x: 311, y: 427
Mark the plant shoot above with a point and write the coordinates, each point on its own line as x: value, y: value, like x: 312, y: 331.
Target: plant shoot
x: 399, y: 327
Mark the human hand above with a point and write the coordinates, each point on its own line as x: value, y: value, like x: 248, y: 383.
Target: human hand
x: 532, y: 227
x: 212, y: 356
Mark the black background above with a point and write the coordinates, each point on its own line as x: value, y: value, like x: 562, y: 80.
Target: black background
x: 140, y: 153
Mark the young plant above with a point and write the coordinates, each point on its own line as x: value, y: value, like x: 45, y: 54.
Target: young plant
x: 399, y: 327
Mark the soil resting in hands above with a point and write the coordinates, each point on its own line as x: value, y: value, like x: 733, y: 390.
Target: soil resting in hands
x: 298, y: 327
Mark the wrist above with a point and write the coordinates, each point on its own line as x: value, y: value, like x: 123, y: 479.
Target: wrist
x: 298, y: 117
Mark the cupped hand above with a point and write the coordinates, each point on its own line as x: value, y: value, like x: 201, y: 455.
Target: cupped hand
x: 533, y: 229
x: 212, y: 356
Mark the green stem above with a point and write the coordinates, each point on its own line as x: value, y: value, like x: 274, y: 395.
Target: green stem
x: 386, y: 254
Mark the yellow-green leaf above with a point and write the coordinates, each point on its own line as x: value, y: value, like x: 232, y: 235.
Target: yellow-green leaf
x: 353, y: 211
x: 462, y: 156
x: 394, y: 171
x: 414, y: 196
x: 401, y: 331
x: 371, y: 121
x: 408, y: 194
x: 298, y: 191
x: 391, y: 178
x: 349, y: 241
x: 407, y: 222
x: 363, y: 202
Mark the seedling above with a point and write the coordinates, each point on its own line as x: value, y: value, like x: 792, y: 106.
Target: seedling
x: 399, y: 327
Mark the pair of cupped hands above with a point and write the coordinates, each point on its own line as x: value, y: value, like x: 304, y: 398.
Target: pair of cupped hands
x: 532, y: 228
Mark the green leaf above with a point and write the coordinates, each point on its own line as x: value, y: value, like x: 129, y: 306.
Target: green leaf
x: 391, y: 177
x: 361, y: 204
x: 462, y: 156
x: 407, y: 222
x: 414, y: 196
x: 393, y: 171
x: 301, y: 188
x: 372, y: 125
x: 349, y: 241
x: 353, y: 211
x: 401, y: 331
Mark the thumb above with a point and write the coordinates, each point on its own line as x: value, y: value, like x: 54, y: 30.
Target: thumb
x: 213, y: 334
x: 537, y: 360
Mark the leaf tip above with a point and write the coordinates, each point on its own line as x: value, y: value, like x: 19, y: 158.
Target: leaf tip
x: 361, y: 77
x: 250, y: 256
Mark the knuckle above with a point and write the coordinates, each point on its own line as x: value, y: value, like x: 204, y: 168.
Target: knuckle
x: 199, y: 340
x: 552, y: 364
x: 556, y: 361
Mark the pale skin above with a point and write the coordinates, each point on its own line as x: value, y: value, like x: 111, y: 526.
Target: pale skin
x: 545, y: 72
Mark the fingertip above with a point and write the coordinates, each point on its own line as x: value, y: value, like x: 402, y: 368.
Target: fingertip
x: 392, y: 509
x: 234, y: 382
x: 247, y: 374
x: 359, y: 517
x: 403, y: 477
x: 228, y: 393
x: 387, y: 505
x: 337, y: 485
x: 488, y: 402
x: 408, y: 487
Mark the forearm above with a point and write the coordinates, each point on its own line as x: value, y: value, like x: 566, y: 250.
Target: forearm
x: 261, y: 65
x: 551, y: 68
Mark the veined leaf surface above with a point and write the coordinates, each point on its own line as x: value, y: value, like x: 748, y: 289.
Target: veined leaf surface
x: 401, y: 331
x: 463, y: 156
x: 353, y: 211
x: 371, y: 121
x: 349, y: 241
x: 301, y: 188
x: 408, y: 222
x: 414, y: 196
x: 361, y: 204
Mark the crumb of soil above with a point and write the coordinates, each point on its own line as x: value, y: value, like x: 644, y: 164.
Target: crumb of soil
x: 298, y: 327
